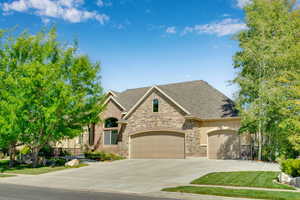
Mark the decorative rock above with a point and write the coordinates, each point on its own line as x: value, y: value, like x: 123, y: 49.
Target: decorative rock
x: 287, y: 179
x: 72, y: 163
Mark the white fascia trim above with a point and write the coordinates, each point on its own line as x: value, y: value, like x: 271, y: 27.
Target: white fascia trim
x: 146, y: 94
x: 113, y: 99
x: 137, y: 103
x: 112, y: 93
x: 173, y: 101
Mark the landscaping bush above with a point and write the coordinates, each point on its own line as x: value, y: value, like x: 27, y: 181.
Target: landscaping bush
x: 46, y: 151
x: 102, y: 156
x: 56, y: 161
x: 94, y: 155
x: 25, y: 150
x: 64, y: 152
x: 291, y: 167
x: 111, y: 156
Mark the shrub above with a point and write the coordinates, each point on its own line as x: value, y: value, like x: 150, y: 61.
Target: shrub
x: 93, y: 155
x: 25, y: 150
x: 64, y: 152
x: 291, y: 167
x: 102, y: 156
x: 111, y: 156
x: 46, y: 151
x: 56, y: 161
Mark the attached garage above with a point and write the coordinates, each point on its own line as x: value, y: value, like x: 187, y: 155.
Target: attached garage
x: 223, y: 145
x: 157, y: 145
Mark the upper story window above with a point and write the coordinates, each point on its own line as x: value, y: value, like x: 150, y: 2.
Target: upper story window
x: 155, y: 105
x: 111, y: 123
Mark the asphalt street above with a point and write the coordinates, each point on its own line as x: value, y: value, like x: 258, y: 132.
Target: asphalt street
x: 19, y: 192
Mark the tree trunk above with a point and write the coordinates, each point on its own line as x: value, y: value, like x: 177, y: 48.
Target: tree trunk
x: 35, y: 156
x: 12, y: 155
x: 259, y: 145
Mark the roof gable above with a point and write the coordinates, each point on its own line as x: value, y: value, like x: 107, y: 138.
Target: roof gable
x: 111, y: 98
x: 133, y: 108
x: 196, y: 98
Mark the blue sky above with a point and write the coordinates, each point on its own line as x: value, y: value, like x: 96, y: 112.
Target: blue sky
x: 142, y: 42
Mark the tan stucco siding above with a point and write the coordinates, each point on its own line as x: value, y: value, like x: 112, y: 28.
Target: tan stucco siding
x: 216, y: 125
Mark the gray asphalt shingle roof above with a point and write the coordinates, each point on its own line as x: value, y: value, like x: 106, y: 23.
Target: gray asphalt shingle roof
x: 198, y: 97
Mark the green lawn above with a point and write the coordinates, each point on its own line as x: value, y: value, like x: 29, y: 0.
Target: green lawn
x: 242, y: 193
x: 5, y: 175
x: 26, y: 169
x: 263, y: 179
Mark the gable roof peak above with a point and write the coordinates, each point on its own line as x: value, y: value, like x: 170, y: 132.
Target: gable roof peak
x: 196, y: 97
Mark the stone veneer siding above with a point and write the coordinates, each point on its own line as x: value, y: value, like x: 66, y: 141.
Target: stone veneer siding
x: 169, y: 117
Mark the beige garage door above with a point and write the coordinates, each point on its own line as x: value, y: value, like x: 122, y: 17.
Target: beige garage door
x: 223, y: 145
x: 157, y: 145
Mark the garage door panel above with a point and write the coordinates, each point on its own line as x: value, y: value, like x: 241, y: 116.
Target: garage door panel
x: 223, y: 145
x: 157, y: 145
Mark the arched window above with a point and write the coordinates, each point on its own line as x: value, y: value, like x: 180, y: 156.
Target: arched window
x: 111, y: 123
x: 155, y: 105
x: 110, y: 131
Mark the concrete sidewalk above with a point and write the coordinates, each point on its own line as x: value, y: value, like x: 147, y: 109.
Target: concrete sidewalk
x: 187, y: 196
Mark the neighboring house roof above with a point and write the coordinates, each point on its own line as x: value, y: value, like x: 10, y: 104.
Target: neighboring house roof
x: 196, y: 97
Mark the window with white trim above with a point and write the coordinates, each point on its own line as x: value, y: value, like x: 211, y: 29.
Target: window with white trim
x: 110, y: 134
x: 111, y: 137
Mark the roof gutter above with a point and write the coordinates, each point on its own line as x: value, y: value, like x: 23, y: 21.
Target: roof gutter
x: 122, y: 121
x: 191, y: 117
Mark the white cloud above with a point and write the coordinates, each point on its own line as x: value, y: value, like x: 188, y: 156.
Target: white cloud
x: 68, y: 10
x: 101, y: 3
x: 17, y: 5
x: 46, y: 21
x: 242, y: 3
x: 226, y: 15
x: 171, y: 30
x: 119, y: 26
x: 227, y: 26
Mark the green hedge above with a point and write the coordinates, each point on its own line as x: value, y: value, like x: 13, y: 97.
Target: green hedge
x: 291, y: 167
x: 102, y: 156
x: 56, y: 161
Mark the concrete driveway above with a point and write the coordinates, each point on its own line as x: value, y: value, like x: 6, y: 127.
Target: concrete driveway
x: 136, y: 176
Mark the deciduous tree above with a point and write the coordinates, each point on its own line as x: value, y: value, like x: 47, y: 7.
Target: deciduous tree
x: 60, y: 89
x: 269, y: 49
